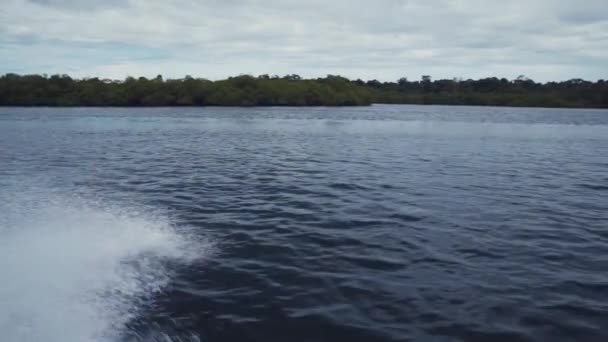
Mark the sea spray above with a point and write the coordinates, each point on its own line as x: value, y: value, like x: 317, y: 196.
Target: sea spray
x: 75, y: 270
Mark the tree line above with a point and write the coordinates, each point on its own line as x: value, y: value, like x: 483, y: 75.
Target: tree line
x: 292, y: 90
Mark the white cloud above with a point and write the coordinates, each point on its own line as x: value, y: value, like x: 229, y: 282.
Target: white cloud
x: 384, y: 39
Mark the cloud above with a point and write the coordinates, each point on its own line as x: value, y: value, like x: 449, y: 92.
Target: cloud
x: 383, y: 39
x: 76, y: 4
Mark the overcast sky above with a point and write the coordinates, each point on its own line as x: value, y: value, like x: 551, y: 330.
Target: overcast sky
x: 381, y: 39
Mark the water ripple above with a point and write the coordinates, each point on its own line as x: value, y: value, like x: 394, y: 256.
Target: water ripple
x: 387, y: 223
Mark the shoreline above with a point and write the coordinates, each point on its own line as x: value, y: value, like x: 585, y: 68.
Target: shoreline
x: 308, y: 106
x: 294, y: 91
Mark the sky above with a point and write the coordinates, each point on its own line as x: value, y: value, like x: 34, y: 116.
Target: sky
x: 546, y: 40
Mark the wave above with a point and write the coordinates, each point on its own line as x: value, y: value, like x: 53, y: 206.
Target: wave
x: 78, y: 271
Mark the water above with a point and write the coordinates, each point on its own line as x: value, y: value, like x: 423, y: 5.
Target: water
x: 385, y: 223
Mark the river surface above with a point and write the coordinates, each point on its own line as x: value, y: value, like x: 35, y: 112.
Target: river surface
x: 381, y: 223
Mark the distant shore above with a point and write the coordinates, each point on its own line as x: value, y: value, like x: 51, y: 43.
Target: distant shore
x: 292, y: 90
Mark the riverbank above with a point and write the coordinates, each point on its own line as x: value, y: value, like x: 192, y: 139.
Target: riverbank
x: 292, y: 90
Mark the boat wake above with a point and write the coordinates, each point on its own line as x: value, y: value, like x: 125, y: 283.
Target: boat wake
x: 76, y: 271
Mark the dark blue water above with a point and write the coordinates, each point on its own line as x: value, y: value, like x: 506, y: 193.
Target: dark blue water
x: 385, y: 223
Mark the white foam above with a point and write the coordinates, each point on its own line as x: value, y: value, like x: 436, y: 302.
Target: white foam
x: 73, y: 271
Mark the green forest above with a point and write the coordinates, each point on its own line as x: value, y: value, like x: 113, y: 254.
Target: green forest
x: 292, y: 90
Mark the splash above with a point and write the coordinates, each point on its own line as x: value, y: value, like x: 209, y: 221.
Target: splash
x: 77, y: 271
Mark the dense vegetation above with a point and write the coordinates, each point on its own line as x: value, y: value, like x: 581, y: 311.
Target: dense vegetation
x: 291, y: 90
